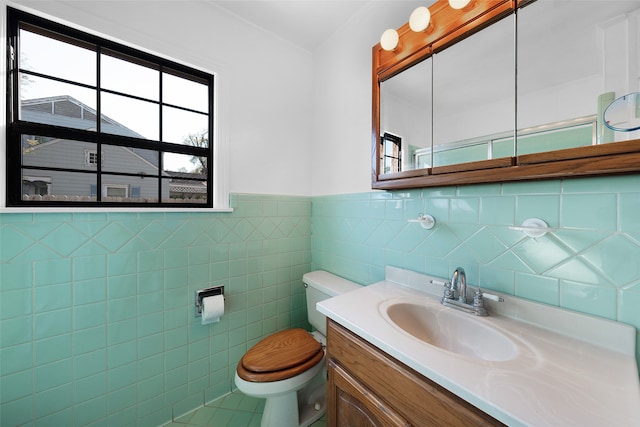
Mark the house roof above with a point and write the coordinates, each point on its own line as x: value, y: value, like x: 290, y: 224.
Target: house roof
x: 67, y: 111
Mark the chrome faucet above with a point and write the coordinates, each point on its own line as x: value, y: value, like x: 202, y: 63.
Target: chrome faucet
x: 455, y: 295
x: 459, y: 284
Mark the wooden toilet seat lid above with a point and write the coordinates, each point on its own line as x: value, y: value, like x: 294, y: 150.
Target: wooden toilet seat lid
x: 280, y: 356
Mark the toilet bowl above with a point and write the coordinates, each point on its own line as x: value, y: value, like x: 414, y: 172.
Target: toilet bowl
x: 288, y: 367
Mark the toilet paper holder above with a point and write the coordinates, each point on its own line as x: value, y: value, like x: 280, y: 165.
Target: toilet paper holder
x: 207, y: 292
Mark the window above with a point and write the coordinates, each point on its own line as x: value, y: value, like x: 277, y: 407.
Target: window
x: 93, y: 123
x: 390, y: 149
x: 116, y: 190
x: 90, y: 157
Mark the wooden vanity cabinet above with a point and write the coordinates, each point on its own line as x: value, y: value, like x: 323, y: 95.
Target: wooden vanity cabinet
x: 367, y: 387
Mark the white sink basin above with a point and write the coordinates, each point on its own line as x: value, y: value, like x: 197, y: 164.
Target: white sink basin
x: 526, y: 364
x: 450, y: 330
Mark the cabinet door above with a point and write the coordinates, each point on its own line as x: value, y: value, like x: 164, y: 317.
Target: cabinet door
x: 352, y: 404
x: 365, y: 380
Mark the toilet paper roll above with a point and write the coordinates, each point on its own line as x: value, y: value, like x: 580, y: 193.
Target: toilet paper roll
x: 213, y: 308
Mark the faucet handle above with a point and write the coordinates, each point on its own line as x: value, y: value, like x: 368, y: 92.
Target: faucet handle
x: 479, y: 297
x: 444, y: 283
x: 491, y: 296
x: 449, y: 293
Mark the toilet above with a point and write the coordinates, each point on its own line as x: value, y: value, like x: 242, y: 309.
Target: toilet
x: 288, y: 367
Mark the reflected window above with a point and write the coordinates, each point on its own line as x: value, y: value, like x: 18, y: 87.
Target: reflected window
x: 390, y: 153
x: 119, y: 127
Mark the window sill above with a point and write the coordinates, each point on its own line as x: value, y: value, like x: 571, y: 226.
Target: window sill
x: 36, y: 210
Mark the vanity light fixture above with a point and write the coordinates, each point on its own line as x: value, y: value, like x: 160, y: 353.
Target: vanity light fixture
x: 390, y: 40
x: 420, y: 19
x: 459, y: 4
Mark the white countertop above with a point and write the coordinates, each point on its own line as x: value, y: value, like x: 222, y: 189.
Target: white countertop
x: 583, y: 375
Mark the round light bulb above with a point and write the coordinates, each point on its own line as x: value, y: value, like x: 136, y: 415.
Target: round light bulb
x: 419, y: 19
x: 459, y: 4
x: 389, y: 40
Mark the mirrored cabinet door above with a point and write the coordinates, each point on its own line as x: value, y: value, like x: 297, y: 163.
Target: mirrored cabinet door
x: 573, y: 61
x: 474, y: 97
x: 406, y: 119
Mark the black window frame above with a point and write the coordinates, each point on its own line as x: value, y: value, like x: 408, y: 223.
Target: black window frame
x: 17, y: 128
x: 396, y: 142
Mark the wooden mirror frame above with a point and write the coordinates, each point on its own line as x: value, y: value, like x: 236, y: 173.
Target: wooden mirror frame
x: 448, y: 27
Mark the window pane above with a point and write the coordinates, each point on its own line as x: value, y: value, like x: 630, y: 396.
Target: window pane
x: 58, y: 186
x: 185, y: 191
x: 130, y: 189
x: 43, y: 54
x: 129, y: 78
x: 130, y: 117
x: 183, y: 127
x: 129, y: 160
x: 389, y: 148
x: 47, y: 101
x: 184, y: 163
x: 185, y: 93
x: 42, y: 151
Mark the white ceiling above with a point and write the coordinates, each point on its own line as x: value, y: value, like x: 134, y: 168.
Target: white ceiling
x: 303, y: 22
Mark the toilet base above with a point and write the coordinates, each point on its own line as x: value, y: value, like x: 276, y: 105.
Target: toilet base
x: 299, y: 409
x: 291, y: 406
x: 312, y: 405
x: 280, y: 411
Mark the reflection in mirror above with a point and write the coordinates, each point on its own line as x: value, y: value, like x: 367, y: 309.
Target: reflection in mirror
x: 623, y: 114
x: 572, y: 62
x: 473, y: 97
x: 405, y: 114
x: 390, y: 153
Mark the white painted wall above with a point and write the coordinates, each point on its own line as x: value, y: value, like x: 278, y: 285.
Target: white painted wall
x: 265, y: 83
x: 341, y: 150
x: 293, y: 122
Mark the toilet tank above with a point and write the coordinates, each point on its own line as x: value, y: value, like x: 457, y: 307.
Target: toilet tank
x: 321, y: 285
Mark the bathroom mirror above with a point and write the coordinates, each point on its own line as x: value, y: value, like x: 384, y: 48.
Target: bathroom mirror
x: 406, y: 119
x: 572, y: 60
x: 478, y: 71
x: 623, y: 114
x: 569, y: 69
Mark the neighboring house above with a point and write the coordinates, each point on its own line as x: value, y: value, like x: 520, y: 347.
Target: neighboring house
x: 83, y: 157
x: 180, y: 188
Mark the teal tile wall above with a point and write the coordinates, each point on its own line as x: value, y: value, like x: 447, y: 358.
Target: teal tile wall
x: 97, y: 321
x: 96, y: 310
x: 590, y: 263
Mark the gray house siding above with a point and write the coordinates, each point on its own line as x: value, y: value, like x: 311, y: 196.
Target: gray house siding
x: 73, y: 155
x: 58, y: 154
x: 68, y: 154
x: 63, y: 184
